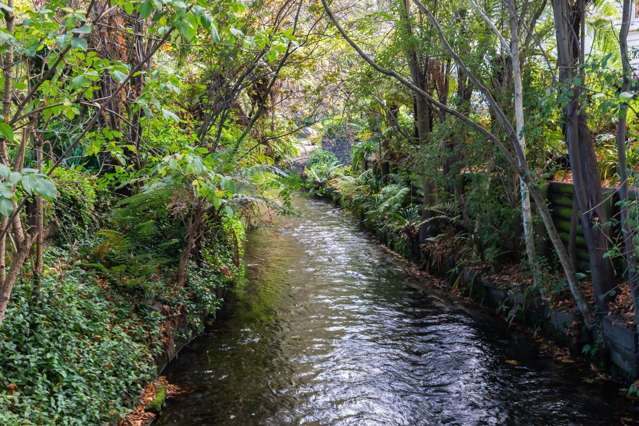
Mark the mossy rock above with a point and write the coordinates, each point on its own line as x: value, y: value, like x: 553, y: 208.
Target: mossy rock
x: 157, y: 403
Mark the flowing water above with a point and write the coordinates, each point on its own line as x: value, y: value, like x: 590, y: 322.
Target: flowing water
x: 329, y: 329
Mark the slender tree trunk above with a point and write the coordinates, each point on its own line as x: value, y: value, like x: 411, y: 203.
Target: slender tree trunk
x: 630, y: 254
x: 454, y: 157
x: 6, y: 112
x: 526, y: 211
x: 9, y: 18
x: 572, y: 242
x: 16, y: 265
x: 39, y: 218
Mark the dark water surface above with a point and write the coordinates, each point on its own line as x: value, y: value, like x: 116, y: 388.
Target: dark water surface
x: 329, y: 330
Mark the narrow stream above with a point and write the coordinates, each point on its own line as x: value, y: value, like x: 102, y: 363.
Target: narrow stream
x: 329, y: 330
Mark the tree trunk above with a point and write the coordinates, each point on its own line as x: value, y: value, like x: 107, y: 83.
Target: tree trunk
x: 526, y: 211
x: 192, y: 232
x: 6, y: 112
x: 630, y: 254
x: 419, y: 75
x: 16, y: 265
x: 569, y: 20
x: 39, y: 222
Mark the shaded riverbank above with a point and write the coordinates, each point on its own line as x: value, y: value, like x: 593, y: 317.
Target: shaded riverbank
x: 328, y: 328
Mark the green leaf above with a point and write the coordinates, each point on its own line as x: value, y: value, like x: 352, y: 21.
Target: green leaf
x: 128, y: 8
x: 14, y: 177
x: 187, y: 27
x: 69, y: 113
x: 29, y: 182
x: 170, y: 115
x: 118, y: 76
x: 62, y: 40
x: 146, y: 9
x: 6, y: 190
x: 84, y: 29
x: 7, y: 39
x: 6, y: 207
x: 79, y: 43
x: 216, y: 201
x: 4, y: 171
x: 6, y: 131
x: 78, y: 81
x: 93, y: 148
x: 214, y: 34
x: 45, y: 188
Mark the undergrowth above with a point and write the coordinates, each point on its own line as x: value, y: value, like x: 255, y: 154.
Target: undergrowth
x: 78, y: 349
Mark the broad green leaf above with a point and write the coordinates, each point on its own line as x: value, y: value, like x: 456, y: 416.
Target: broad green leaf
x: 179, y: 4
x: 45, y: 188
x: 6, y: 190
x: 146, y: 9
x: 187, y: 27
x: 62, y: 41
x: 215, y: 201
x: 7, y: 39
x: 78, y: 81
x: 6, y: 207
x: 214, y: 34
x: 118, y: 75
x: 84, y: 29
x: 14, y: 177
x: 6, y: 131
x: 70, y: 113
x: 29, y: 182
x: 79, y: 43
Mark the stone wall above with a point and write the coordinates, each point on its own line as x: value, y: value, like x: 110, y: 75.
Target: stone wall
x: 341, y: 147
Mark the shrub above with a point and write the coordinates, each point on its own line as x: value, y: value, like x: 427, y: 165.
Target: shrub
x: 322, y: 167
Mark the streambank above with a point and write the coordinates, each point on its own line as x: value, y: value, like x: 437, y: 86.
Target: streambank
x: 80, y: 348
x: 512, y: 300
x: 178, y: 330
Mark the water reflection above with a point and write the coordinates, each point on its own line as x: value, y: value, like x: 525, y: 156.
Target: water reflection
x: 328, y: 329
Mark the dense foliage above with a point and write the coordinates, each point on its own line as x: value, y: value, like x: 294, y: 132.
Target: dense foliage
x: 139, y: 137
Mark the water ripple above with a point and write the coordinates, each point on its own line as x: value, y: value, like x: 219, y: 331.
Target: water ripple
x: 329, y: 330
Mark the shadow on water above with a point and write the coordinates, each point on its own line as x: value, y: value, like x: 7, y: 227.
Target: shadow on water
x: 329, y: 329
